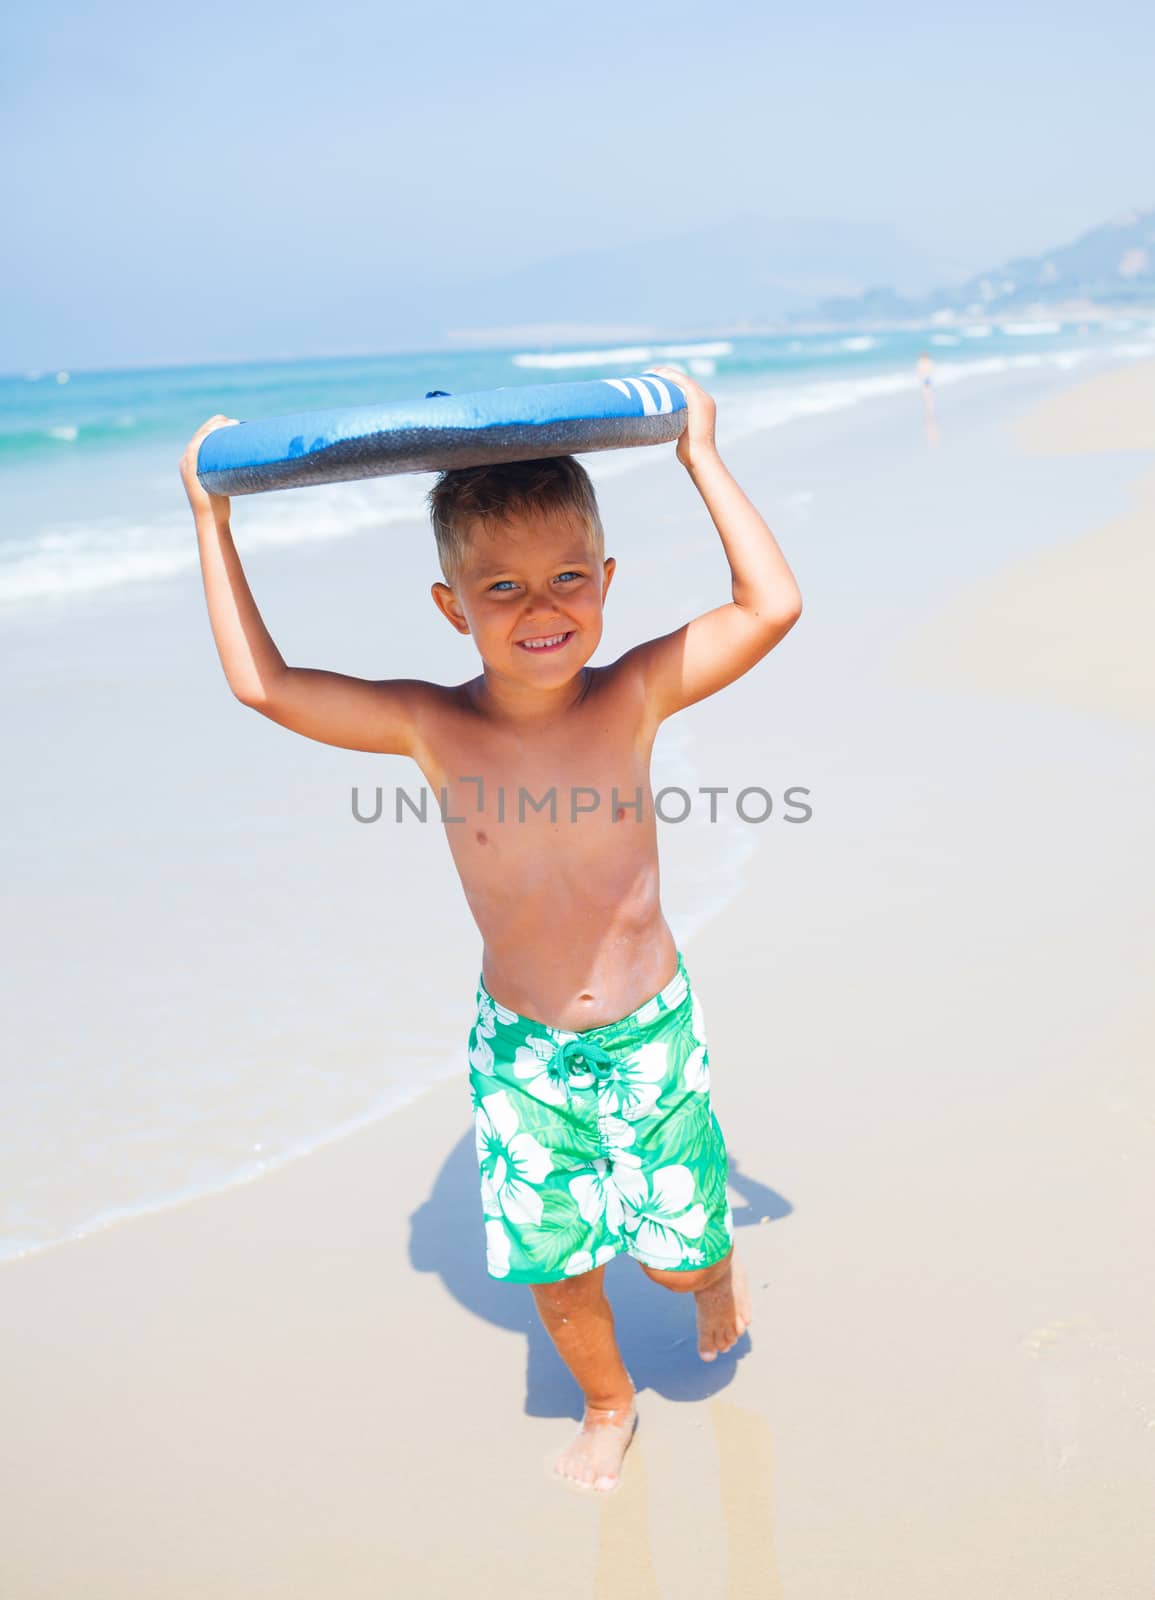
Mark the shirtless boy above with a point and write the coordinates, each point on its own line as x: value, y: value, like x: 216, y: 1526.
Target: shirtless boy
x: 588, y: 1062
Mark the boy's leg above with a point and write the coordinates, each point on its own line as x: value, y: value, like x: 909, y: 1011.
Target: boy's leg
x: 722, y: 1296
x: 578, y: 1318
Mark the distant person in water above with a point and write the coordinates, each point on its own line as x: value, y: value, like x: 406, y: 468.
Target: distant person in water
x: 589, y: 1069
x: 926, y: 383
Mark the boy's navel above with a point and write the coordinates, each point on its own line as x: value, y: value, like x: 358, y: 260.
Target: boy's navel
x: 482, y: 838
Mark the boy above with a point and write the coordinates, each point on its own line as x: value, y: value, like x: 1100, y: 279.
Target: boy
x: 588, y: 1063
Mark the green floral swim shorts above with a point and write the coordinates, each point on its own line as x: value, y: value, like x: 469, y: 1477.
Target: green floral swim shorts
x: 591, y: 1144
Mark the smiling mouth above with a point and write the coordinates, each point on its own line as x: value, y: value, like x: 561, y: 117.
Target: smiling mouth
x: 547, y: 644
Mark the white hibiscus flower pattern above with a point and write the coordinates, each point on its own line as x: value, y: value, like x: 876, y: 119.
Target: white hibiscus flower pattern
x: 618, y: 1135
x: 597, y: 1196
x: 697, y: 1019
x: 538, y: 1063
x: 582, y: 1261
x: 511, y: 1162
x: 660, y: 1219
x: 496, y: 1248
x: 489, y: 1014
x: 632, y: 1089
x: 696, y: 1069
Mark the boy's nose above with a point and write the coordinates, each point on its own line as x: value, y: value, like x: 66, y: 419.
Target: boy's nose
x: 540, y: 600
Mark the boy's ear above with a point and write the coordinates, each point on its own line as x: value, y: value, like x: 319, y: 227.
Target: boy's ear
x: 446, y: 602
x: 609, y: 566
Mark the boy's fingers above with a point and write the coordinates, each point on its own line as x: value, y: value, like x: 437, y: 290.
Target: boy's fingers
x: 680, y: 378
x: 211, y: 426
x: 192, y: 449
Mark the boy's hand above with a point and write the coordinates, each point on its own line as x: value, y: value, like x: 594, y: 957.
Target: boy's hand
x: 203, y: 503
x: 696, y: 441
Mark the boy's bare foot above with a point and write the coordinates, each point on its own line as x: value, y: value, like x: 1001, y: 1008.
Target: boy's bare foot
x: 594, y: 1459
x: 723, y: 1310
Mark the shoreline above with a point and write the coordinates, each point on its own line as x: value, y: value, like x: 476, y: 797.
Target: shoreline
x: 102, y: 1223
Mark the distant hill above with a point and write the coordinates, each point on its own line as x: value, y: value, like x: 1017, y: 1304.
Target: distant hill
x: 752, y: 274
x: 748, y: 272
x: 1112, y: 265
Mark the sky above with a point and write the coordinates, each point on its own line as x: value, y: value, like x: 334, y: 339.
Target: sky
x: 223, y: 181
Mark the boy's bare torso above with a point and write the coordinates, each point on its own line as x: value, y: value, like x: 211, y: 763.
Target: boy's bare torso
x: 556, y: 845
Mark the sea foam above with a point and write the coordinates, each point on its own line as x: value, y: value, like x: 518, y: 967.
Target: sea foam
x: 622, y: 356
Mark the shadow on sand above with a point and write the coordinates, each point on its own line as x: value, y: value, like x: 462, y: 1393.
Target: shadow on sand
x: 655, y: 1327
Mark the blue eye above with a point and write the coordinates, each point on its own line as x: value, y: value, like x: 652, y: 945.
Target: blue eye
x: 503, y: 584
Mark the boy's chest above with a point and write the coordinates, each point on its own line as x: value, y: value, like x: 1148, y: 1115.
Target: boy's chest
x: 565, y: 781
x: 569, y: 782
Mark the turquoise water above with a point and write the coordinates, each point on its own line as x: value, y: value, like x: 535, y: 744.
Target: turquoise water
x: 47, y: 417
x: 92, y: 499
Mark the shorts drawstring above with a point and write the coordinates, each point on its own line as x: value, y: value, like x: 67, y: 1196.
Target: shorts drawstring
x: 584, y: 1053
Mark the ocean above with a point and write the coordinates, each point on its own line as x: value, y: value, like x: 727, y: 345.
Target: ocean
x: 88, y: 459
x: 169, y: 858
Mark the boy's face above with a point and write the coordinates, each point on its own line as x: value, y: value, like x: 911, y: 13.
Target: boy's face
x: 528, y: 579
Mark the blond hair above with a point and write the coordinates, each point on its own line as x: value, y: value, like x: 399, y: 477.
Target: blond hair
x: 464, y: 496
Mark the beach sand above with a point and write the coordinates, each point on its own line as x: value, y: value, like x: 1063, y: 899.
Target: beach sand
x: 930, y: 1039
x: 1072, y: 624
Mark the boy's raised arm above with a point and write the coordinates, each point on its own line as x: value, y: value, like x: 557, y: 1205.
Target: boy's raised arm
x: 714, y: 649
x: 354, y: 713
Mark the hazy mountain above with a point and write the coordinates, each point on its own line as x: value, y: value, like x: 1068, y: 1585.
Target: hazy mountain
x: 1111, y: 265
x: 747, y: 272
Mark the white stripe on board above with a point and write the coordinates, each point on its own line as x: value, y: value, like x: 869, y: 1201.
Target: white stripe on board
x: 648, y: 407
x: 667, y: 403
x: 642, y: 387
